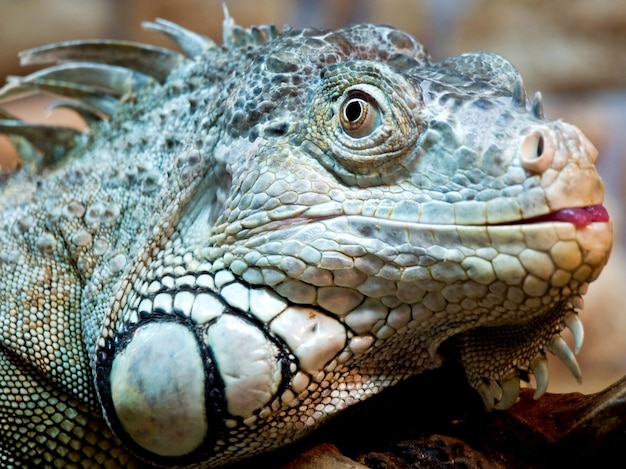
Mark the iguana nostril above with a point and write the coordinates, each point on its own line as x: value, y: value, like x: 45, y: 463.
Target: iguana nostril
x: 537, y: 152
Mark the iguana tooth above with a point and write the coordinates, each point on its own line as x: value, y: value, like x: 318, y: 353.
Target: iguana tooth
x: 191, y: 43
x: 539, y: 367
x: 510, y: 391
x: 156, y: 62
x: 561, y: 350
x: 573, y: 323
x: 537, y: 106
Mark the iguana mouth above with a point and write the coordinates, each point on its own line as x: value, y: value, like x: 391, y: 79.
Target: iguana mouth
x: 579, y: 216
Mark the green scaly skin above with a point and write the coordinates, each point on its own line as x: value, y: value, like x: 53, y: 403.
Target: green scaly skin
x: 268, y: 231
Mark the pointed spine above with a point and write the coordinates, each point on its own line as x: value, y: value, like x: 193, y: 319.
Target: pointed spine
x: 234, y: 35
x: 537, y: 106
x: 154, y: 61
x: 52, y: 141
x: 561, y: 350
x: 94, y: 97
x: 192, y: 44
x: 575, y: 326
x: 539, y: 367
x: 519, y: 93
x: 227, y: 26
x: 118, y: 81
x: 88, y: 113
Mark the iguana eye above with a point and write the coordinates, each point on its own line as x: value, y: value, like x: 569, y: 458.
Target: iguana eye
x: 359, y: 115
x: 365, y: 118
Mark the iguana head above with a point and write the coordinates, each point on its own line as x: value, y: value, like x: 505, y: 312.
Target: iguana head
x: 357, y: 205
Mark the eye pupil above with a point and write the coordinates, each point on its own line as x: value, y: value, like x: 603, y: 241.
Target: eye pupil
x: 354, y: 110
x: 359, y: 115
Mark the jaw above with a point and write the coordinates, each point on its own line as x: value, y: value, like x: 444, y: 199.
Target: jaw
x: 497, y: 359
x: 511, y: 288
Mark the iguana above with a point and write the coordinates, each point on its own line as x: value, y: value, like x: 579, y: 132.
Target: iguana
x: 253, y: 236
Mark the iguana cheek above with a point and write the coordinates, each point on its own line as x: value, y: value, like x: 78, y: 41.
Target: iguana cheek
x: 185, y: 369
x: 161, y: 406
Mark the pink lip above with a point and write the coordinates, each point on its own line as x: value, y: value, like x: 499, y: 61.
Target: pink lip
x: 579, y: 216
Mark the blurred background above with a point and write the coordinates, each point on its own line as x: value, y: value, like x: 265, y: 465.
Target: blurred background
x: 574, y: 51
